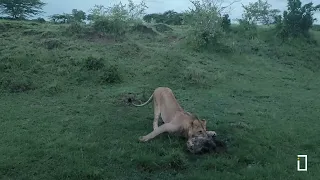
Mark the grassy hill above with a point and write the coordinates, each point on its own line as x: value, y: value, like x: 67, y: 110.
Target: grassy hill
x: 64, y: 111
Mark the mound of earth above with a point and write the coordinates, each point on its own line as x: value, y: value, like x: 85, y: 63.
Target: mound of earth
x: 200, y: 144
x: 162, y: 27
x: 143, y: 29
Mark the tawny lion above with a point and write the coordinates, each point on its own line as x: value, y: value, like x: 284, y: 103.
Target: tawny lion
x: 175, y: 119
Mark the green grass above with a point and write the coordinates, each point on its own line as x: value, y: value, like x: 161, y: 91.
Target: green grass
x: 63, y: 119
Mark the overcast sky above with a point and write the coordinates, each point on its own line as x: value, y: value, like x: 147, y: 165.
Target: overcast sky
x: 154, y: 6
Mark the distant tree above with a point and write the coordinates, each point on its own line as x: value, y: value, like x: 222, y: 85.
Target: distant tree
x: 61, y: 18
x: 168, y: 17
x: 78, y: 15
x: 173, y: 17
x: 97, y: 12
x: 157, y: 17
x: 21, y: 9
x: 75, y: 16
x: 40, y: 20
x: 297, y: 20
x: 260, y: 12
x: 226, y: 22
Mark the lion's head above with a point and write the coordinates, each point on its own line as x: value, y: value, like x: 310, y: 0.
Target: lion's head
x: 197, y: 128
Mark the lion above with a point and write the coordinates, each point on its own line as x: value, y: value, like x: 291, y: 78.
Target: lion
x: 176, y: 120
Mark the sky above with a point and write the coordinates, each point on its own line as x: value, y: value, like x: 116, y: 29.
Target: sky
x: 155, y: 6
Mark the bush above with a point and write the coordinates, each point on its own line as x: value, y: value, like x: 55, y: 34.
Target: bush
x: 105, y: 25
x: 111, y: 74
x: 195, y: 75
x: 116, y: 19
x: 52, y: 43
x: 39, y: 20
x: 143, y: 29
x: 247, y: 29
x: 259, y: 12
x: 297, y: 19
x: 17, y: 84
x: 162, y: 27
x: 92, y: 63
x: 76, y: 28
x: 52, y: 89
x: 169, y: 17
x: 226, y: 23
x: 204, y: 25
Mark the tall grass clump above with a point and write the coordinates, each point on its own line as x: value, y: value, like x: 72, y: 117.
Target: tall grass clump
x: 204, y: 22
x: 207, y: 24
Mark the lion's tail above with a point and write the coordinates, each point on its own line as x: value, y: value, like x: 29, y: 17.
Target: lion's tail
x: 140, y: 105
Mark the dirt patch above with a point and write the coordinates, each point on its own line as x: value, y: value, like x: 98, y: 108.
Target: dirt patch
x: 129, y: 98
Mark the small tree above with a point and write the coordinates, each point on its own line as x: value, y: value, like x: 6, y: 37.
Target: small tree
x: 172, y: 17
x: 61, y: 18
x: 117, y: 18
x: 168, y: 17
x: 259, y: 12
x: 136, y: 11
x: 297, y: 19
x: 204, y: 24
x: 21, y: 9
x: 226, y: 23
x: 78, y: 15
x: 126, y: 12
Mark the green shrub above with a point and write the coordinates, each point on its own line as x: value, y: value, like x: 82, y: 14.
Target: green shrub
x: 226, y: 23
x: 111, y: 74
x: 297, y: 20
x: 105, y: 25
x: 169, y: 17
x: 93, y: 63
x: 16, y: 84
x: 76, y: 28
x: 52, y: 89
x: 116, y: 19
x: 41, y: 20
x: 247, y: 29
x: 52, y: 43
x: 204, y: 22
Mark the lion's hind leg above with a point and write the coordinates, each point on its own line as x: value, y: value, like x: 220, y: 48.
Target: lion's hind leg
x: 156, y: 115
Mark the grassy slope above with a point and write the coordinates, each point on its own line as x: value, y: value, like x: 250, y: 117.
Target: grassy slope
x: 265, y: 103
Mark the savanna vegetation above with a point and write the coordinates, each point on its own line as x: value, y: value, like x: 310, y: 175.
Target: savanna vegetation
x: 64, y: 86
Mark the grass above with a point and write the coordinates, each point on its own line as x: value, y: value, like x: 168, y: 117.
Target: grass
x: 64, y: 113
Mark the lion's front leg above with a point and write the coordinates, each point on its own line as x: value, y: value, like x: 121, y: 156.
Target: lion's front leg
x: 212, y: 133
x: 167, y: 127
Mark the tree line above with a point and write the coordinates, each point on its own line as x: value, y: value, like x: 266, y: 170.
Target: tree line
x: 295, y: 21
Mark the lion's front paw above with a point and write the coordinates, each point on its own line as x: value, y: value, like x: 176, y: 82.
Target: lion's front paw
x: 212, y: 133
x: 143, y: 139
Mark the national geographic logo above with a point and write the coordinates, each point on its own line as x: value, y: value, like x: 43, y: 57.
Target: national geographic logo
x: 300, y: 158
